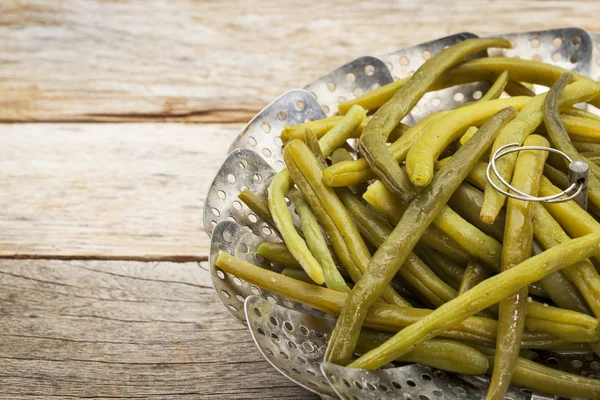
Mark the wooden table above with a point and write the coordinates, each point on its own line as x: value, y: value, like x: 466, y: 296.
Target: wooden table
x: 115, y: 115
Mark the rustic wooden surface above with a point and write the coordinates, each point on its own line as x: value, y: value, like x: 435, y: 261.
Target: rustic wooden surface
x: 95, y: 194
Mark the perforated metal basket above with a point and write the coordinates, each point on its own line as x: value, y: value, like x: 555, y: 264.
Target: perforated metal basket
x: 292, y: 336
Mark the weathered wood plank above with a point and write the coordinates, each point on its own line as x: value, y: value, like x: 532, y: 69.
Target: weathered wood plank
x: 120, y: 191
x: 216, y: 61
x: 114, y: 329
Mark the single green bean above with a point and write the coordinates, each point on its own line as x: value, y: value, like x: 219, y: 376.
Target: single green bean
x: 278, y: 189
x: 474, y: 274
x: 480, y: 297
x: 374, y: 138
x: 257, y: 204
x: 391, y: 255
x: 518, y: 89
x: 583, y: 130
x: 296, y: 273
x: 450, y: 272
x: 317, y: 244
x: 497, y: 88
x: 516, y: 248
x: 313, y: 144
x: 586, y: 147
x: 277, y: 253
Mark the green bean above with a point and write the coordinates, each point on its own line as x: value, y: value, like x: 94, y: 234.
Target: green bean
x: 422, y: 155
x: 391, y: 113
x: 518, y: 238
x: 474, y: 274
x: 583, y: 130
x: 472, y: 240
x: 391, y: 255
x: 331, y: 213
x: 296, y: 273
x: 375, y: 98
x: 481, y: 296
x: 488, y: 68
x: 497, y: 88
x: 586, y: 147
x: 449, y: 271
x: 278, y: 189
x: 535, y: 376
x: 317, y: 245
x: 389, y: 206
x: 578, y: 112
x: 320, y: 127
x: 467, y: 202
x: 277, y: 253
x: 592, y: 156
x: 443, y: 354
x: 358, y: 171
x: 517, y: 131
x: 583, y: 274
x: 256, y: 204
x: 313, y: 144
x: 518, y: 89
x: 556, y: 176
x: 385, y: 317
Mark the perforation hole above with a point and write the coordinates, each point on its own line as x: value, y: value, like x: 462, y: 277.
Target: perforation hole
x: 215, y: 212
x: 212, y: 224
x: 288, y: 326
x: 458, y: 390
x: 552, y: 361
x: 396, y: 385
x: 272, y: 299
x: 556, y: 57
x: 231, y: 178
x: 299, y: 105
x: 311, y: 373
x: 292, y: 345
x: 556, y: 42
x: 252, y: 218
x: 574, y: 59
x: 255, y: 290
x: 232, y: 307
x: 237, y: 205
x: 266, y: 127
x: 346, y: 383
x: 237, y: 281
x: 282, y: 354
x: 266, y: 152
x: 358, y: 385
x: 225, y: 293
x: 220, y: 274
x: 266, y: 230
x: 307, y: 345
x: 282, y: 116
x: 537, y: 57
x: 411, y: 383
x: 436, y: 102
x: 358, y: 92
x: 278, y: 141
x: 403, y: 60
x: 303, y: 330
x: 268, y: 351
x: 243, y: 248
x: 458, y: 97
x: 426, y: 377
x: 257, y: 178
x: 301, y: 360
x: 438, y: 393
x: 261, y: 332
x: 288, y: 304
x: 325, y: 109
x: 426, y: 55
x: 221, y: 194
x: 477, y: 94
x: 274, y: 337
x: 576, y: 41
x: 341, y: 99
x: 318, y: 334
x: 350, y: 77
x: 280, y: 164
x: 423, y: 397
x: 331, y: 86
x: 252, y: 141
x: 227, y: 236
x: 375, y: 86
x: 535, y: 42
x: 576, y: 364
x: 240, y: 298
x: 383, y: 387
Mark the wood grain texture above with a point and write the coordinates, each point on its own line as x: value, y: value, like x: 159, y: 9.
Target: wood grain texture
x: 118, y: 191
x: 121, y: 330
x: 214, y: 61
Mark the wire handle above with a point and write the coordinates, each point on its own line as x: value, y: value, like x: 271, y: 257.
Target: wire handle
x: 578, y: 177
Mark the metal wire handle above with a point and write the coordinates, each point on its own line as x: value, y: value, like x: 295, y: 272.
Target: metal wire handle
x: 578, y: 172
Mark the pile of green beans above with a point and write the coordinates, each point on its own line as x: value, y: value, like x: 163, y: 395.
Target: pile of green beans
x: 418, y: 256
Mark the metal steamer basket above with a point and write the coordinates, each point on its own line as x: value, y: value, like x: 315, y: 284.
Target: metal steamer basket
x: 292, y: 336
